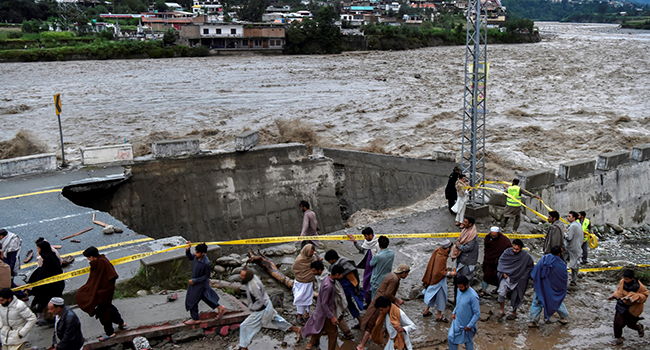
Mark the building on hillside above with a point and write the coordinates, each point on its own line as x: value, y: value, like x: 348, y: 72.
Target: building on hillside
x: 173, y: 6
x: 166, y: 20
x: 206, y: 6
x: 235, y: 36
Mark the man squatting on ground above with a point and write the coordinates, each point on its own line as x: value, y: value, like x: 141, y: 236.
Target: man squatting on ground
x: 199, y: 285
x: 514, y: 270
x: 67, y: 328
x: 303, y: 285
x: 435, y: 281
x: 369, y: 248
x: 96, y: 296
x: 550, y: 283
x: 396, y: 323
x: 631, y: 296
x: 262, y: 312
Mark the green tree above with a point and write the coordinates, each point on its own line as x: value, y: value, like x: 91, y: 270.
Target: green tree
x: 170, y: 36
x: 160, y: 6
x: 253, y: 10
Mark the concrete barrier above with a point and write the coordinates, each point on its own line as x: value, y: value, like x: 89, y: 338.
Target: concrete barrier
x: 114, y: 154
x: 611, y: 160
x: 172, y: 148
x: 38, y: 163
x: 246, y: 140
x: 576, y: 169
x: 641, y: 153
x: 531, y: 180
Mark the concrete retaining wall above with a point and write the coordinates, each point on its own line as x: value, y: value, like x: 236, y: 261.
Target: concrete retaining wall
x: 224, y: 196
x: 113, y: 154
x: 620, y: 193
x: 38, y: 163
x: 173, y: 148
x: 377, y: 181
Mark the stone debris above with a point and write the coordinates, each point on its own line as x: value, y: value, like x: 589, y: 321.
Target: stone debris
x: 228, y: 261
x: 188, y: 336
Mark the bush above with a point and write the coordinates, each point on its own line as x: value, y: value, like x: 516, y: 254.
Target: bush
x: 57, y: 35
x: 14, y: 35
x: 200, y: 51
x: 34, y: 26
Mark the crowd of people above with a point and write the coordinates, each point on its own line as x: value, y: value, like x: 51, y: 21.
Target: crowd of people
x: 339, y: 289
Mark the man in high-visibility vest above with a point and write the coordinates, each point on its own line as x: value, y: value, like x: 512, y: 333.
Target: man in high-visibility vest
x: 586, y: 229
x: 513, y: 208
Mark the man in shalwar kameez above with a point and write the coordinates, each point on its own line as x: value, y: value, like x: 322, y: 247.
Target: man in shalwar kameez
x: 573, y: 238
x: 262, y: 312
x: 382, y: 265
x: 435, y: 281
x: 514, y: 270
x: 199, y: 285
x: 465, y: 316
x: 495, y: 244
x: 549, y: 279
x: 397, y: 324
x: 324, y: 319
x: 303, y: 286
x: 369, y: 248
x: 349, y: 282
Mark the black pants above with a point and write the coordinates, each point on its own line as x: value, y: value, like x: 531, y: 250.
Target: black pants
x: 107, y: 315
x: 624, y: 319
x: 451, y: 202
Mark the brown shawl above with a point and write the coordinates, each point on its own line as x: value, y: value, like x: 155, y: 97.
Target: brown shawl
x: 466, y: 236
x: 437, y: 267
x: 100, y: 286
x: 302, y: 266
x: 395, y: 320
x: 636, y: 299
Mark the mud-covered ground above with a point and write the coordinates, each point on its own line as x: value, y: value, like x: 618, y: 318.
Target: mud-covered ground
x: 580, y: 92
x: 591, y: 314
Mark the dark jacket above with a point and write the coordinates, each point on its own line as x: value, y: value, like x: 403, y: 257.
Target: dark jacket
x: 450, y: 190
x: 68, y: 331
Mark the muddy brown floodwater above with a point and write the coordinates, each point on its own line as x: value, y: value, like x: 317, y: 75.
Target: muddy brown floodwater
x: 581, y: 91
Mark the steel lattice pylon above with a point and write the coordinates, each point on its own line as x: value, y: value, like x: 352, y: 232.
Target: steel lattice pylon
x: 474, y: 109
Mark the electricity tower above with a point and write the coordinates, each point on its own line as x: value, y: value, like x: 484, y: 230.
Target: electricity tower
x: 474, y: 109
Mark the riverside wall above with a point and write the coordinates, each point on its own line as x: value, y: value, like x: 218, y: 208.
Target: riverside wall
x: 615, y: 187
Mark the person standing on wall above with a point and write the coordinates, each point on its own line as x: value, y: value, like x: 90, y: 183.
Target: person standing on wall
x: 309, y: 224
x: 586, y: 231
x: 513, y: 207
x: 450, y: 190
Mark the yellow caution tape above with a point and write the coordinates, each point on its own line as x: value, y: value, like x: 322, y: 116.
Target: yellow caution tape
x: 26, y: 266
x: 266, y: 240
x: 613, y: 268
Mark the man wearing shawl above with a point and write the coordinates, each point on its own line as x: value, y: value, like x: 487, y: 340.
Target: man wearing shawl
x: 199, y: 285
x: 96, y: 296
x: 514, y: 269
x: 398, y: 326
x: 303, y: 286
x: 262, y: 312
x: 324, y: 320
x: 631, y: 295
x: 573, y: 242
x: 369, y: 248
x: 381, y: 264
x: 495, y: 244
x: 465, y: 250
x: 466, y: 315
x: 349, y: 282
x: 435, y: 281
x: 554, y: 233
x: 549, y: 279
x: 11, y: 244
x: 388, y: 289
x: 461, y: 202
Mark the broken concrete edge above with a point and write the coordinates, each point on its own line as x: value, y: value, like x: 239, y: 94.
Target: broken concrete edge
x: 611, y: 160
x: 175, y: 148
x: 535, y: 179
x: 576, y: 169
x: 107, y: 155
x: 641, y: 153
x: 246, y: 140
x: 37, y: 163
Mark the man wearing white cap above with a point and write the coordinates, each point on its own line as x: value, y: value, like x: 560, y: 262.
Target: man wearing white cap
x: 67, y: 328
x: 495, y: 244
x: 435, y: 281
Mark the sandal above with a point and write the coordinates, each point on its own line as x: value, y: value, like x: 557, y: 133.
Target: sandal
x: 107, y: 337
x: 495, y: 291
x: 501, y: 314
x: 563, y: 321
x: 347, y: 336
x: 533, y: 325
x: 617, y: 342
x: 122, y: 327
x: 442, y: 319
x: 427, y: 314
x: 221, y: 313
x: 482, y: 293
x: 511, y: 317
x: 573, y: 284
